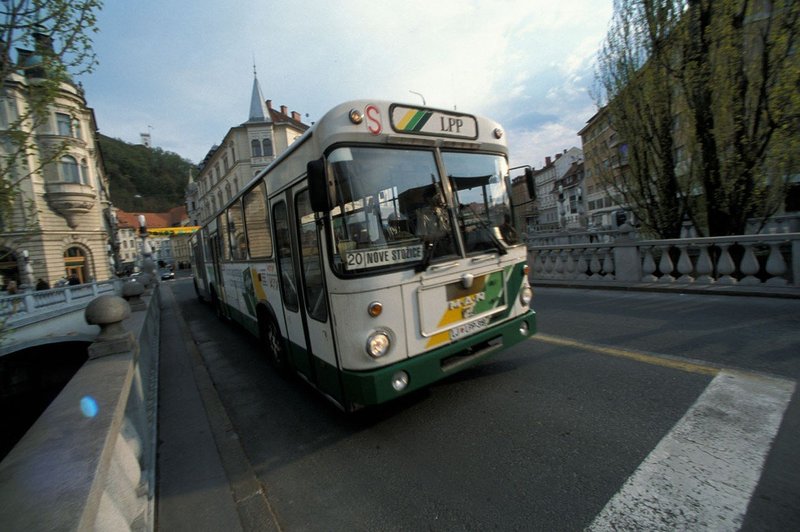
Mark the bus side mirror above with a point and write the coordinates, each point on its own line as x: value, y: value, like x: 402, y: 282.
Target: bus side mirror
x: 530, y: 182
x: 318, y: 186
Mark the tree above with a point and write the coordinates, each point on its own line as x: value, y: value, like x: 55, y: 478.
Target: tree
x: 52, y: 41
x: 740, y: 74
x: 635, y: 76
x: 705, y: 93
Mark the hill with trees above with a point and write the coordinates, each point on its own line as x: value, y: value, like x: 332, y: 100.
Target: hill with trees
x: 144, y: 179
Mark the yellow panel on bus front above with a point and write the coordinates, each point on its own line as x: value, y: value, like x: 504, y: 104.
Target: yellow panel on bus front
x: 452, y: 311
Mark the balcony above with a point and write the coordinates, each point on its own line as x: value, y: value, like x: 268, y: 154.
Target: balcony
x: 70, y: 200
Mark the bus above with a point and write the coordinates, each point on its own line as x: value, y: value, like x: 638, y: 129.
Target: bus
x: 377, y: 254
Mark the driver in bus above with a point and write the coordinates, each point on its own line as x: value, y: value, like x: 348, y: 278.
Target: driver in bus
x: 398, y: 227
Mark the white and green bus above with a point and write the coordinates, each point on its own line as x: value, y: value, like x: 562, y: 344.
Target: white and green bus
x: 377, y: 254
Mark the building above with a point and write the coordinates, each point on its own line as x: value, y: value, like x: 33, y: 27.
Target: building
x: 167, y: 234
x: 604, y: 153
x: 245, y: 150
x: 549, y: 212
x: 60, y: 223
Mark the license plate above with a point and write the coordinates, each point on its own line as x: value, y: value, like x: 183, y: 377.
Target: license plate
x: 468, y: 328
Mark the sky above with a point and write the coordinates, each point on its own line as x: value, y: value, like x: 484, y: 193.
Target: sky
x: 183, y: 70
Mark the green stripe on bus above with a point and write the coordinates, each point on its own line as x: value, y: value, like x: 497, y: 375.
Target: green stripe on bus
x: 423, y: 120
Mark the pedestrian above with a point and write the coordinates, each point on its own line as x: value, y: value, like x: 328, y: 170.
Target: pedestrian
x: 12, y: 287
x: 73, y: 280
x: 41, y: 284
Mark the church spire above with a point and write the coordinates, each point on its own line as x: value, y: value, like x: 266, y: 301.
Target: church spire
x: 258, y: 109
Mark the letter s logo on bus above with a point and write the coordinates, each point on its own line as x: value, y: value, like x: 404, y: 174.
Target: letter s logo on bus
x: 373, y: 120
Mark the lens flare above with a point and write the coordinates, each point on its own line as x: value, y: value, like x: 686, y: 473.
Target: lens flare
x: 89, y: 406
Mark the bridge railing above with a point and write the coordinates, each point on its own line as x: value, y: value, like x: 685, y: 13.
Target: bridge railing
x: 88, y: 462
x: 33, y: 305
x: 768, y: 263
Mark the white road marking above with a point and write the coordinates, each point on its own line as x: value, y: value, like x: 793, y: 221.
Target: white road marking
x: 703, y: 473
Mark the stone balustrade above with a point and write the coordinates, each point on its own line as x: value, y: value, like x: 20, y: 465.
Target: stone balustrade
x: 37, y: 304
x: 768, y: 263
x: 89, y: 461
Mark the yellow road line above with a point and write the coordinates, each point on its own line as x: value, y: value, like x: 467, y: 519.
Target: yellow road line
x: 672, y: 363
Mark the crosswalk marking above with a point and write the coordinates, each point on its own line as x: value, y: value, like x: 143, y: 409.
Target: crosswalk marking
x: 703, y: 473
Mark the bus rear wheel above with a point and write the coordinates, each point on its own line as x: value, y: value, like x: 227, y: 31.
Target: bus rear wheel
x: 273, y: 342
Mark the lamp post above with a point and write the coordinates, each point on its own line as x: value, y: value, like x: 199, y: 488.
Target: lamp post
x: 147, y: 261
x: 28, y: 268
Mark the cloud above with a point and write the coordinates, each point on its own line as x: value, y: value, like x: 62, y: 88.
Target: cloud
x: 185, y: 68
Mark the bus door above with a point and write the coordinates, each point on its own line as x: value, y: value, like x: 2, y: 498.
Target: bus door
x: 305, y: 300
x: 218, y: 295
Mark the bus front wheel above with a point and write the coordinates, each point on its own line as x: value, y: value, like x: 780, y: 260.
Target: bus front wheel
x: 273, y: 342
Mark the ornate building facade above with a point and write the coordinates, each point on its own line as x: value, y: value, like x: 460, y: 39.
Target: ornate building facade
x: 60, y: 223
x: 245, y: 151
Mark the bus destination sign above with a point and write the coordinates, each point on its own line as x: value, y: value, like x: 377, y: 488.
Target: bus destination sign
x: 370, y: 258
x: 437, y: 123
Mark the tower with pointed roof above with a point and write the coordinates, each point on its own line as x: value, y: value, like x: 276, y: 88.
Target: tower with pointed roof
x: 244, y: 151
x: 258, y: 106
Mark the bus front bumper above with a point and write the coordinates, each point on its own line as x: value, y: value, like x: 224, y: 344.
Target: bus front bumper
x: 364, y: 388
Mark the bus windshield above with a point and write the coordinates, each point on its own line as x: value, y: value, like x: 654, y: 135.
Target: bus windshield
x: 391, y: 209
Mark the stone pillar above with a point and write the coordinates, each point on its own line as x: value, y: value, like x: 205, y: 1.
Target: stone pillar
x: 627, y: 263
x: 109, y: 312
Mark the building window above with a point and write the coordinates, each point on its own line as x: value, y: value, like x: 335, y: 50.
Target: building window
x: 255, y: 147
x: 69, y: 169
x: 64, y: 124
x: 84, y: 172
x: 225, y: 164
x: 267, y: 143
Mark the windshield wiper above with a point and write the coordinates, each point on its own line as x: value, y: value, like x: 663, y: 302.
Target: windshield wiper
x: 483, y: 225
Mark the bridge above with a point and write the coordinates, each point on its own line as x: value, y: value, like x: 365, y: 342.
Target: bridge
x: 89, y: 461
x: 55, y: 315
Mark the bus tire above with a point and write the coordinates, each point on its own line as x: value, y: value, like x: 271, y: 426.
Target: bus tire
x: 273, y: 343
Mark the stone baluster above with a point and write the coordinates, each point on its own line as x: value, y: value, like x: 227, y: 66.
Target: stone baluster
x: 582, y: 266
x: 648, y: 265
x: 548, y: 264
x: 569, y: 264
x: 608, y: 265
x: 725, y: 266
x: 595, y: 266
x: 704, y: 268
x: 536, y: 261
x: 749, y: 265
x: 685, y: 266
x: 665, y: 266
x: 558, y: 266
x: 776, y: 265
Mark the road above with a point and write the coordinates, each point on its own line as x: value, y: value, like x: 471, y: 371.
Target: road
x: 558, y: 433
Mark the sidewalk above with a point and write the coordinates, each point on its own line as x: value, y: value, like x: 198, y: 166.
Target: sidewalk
x: 204, y: 480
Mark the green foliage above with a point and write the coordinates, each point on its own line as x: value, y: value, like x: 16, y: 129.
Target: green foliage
x: 144, y: 179
x: 55, y: 39
x: 705, y: 93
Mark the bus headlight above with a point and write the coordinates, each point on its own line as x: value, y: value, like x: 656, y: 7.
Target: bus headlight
x: 526, y: 295
x: 378, y: 344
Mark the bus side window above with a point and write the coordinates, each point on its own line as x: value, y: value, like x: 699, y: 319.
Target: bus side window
x: 288, y: 282
x: 316, y: 303
x: 223, y: 234
x: 237, y: 236
x: 256, y: 219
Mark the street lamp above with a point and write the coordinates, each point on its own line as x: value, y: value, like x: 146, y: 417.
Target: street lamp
x: 28, y: 268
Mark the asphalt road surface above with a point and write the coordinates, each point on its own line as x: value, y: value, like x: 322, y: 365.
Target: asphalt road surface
x: 627, y: 410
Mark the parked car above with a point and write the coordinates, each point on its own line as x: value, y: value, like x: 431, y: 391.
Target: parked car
x: 167, y: 274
